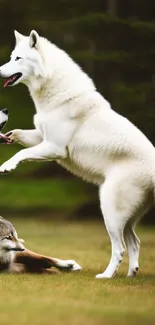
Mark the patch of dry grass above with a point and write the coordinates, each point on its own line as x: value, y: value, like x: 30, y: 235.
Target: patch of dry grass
x: 78, y: 298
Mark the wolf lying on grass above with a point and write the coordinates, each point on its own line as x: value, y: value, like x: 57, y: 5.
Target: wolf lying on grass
x: 15, y: 258
x: 76, y: 126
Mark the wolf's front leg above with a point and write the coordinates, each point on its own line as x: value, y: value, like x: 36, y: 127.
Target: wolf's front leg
x: 27, y: 138
x: 37, y: 262
x: 44, y: 151
x: 66, y: 265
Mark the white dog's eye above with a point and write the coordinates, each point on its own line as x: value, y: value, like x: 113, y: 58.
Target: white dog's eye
x: 17, y: 58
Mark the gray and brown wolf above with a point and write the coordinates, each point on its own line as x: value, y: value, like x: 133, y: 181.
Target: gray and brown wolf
x: 15, y: 258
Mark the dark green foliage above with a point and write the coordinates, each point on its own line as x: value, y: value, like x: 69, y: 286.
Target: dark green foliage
x: 117, y: 52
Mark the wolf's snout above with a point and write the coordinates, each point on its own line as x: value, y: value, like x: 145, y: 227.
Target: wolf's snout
x: 2, y: 125
x: 20, y: 247
x: 5, y: 111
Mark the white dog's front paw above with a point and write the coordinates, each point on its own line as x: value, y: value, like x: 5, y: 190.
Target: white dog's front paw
x: 14, y: 135
x: 8, y: 166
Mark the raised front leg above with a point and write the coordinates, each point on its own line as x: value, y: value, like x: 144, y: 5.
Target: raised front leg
x: 44, y: 151
x: 27, y: 138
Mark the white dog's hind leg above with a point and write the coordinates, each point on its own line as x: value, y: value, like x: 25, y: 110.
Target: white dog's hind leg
x: 44, y: 151
x: 27, y: 138
x: 123, y: 198
x: 115, y: 226
x: 133, y: 246
x: 116, y: 237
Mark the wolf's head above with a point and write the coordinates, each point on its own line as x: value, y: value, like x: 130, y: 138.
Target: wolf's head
x: 25, y: 62
x: 9, y: 240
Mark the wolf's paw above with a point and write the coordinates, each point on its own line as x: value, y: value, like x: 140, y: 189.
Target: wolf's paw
x: 73, y: 266
x: 69, y: 265
x: 8, y: 166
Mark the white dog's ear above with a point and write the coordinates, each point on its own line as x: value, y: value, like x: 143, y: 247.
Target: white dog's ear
x: 34, y: 39
x: 19, y: 37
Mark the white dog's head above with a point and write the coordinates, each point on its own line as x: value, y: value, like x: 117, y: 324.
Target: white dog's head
x: 25, y: 61
x: 40, y: 64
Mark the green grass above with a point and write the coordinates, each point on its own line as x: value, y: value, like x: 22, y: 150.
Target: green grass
x: 36, y: 194
x: 28, y: 192
x: 78, y: 298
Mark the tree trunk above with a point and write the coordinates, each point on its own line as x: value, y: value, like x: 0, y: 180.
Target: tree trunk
x: 112, y: 7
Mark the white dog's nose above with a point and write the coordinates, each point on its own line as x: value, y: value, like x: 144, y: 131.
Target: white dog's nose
x: 5, y: 111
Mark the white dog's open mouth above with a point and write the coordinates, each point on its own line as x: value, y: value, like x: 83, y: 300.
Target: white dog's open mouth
x: 11, y: 80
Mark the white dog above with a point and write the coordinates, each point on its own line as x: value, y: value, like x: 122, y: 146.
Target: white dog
x: 77, y: 127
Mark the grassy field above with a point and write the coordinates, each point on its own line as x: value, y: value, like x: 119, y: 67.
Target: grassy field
x: 20, y: 190
x: 78, y: 298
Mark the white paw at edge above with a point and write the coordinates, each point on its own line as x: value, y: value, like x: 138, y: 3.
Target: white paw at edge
x: 103, y: 276
x: 74, y: 266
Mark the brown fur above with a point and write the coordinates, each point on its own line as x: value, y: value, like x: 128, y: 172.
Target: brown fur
x: 15, y: 258
x: 31, y: 262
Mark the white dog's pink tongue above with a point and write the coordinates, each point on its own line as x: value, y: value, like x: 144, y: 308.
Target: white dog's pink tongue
x: 7, y: 81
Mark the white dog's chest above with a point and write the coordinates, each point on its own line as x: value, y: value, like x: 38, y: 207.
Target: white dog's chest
x: 56, y: 127
x: 60, y: 130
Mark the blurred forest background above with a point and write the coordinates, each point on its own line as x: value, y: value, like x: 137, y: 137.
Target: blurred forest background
x: 114, y: 42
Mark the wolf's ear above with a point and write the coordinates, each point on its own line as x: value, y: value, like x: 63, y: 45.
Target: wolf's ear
x: 21, y: 240
x: 34, y: 39
x: 19, y: 37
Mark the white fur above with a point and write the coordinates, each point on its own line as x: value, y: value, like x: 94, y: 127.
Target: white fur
x: 77, y: 127
x: 6, y: 256
x: 8, y: 248
x: 3, y: 117
x: 68, y: 265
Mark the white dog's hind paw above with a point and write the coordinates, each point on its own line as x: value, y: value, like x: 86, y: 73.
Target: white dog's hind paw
x: 104, y: 275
